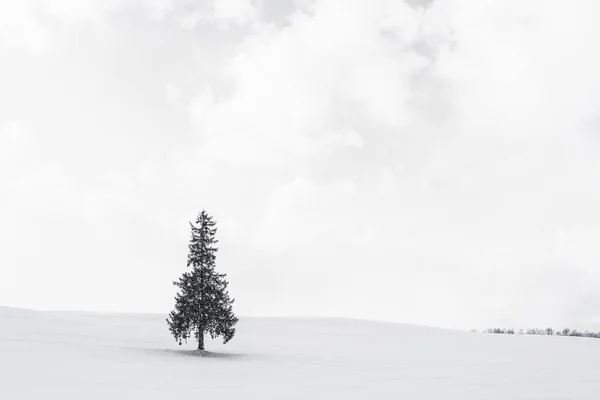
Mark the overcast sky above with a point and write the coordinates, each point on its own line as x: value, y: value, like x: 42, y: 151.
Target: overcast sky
x: 424, y: 162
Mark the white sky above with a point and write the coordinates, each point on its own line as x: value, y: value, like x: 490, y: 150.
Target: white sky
x: 426, y: 162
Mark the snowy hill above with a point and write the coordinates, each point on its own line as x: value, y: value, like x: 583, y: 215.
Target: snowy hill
x: 97, y: 356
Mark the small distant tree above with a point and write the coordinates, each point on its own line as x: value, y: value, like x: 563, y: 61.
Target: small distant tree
x: 202, y: 304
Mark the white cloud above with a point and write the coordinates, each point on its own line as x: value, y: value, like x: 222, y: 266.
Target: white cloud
x: 472, y: 101
x: 387, y: 181
x: 22, y: 23
x: 91, y: 10
x: 190, y: 20
x: 302, y: 214
x: 44, y: 177
x: 514, y: 66
x: 443, y: 147
x: 200, y: 108
x: 223, y: 13
x: 352, y: 138
x: 10, y: 137
x: 79, y: 9
x: 237, y: 12
x: 19, y: 27
x: 173, y: 93
x: 297, y: 88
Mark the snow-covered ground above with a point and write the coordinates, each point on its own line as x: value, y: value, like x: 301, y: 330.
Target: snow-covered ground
x: 47, y: 355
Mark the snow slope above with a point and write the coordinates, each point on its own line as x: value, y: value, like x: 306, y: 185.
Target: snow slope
x: 47, y: 355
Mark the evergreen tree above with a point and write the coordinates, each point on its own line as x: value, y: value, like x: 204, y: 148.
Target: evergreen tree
x: 202, y: 304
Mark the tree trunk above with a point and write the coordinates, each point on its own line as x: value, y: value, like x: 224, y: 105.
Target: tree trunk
x: 201, y: 340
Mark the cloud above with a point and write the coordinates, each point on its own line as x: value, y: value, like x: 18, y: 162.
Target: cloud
x: 200, y: 108
x: 224, y: 13
x: 308, y: 87
x: 73, y: 10
x: 173, y: 93
x: 10, y: 138
x: 19, y: 27
x: 463, y: 115
x: 94, y: 11
x: 25, y: 23
x: 387, y: 181
x: 438, y: 159
x: 520, y: 68
x: 234, y: 11
x: 22, y: 169
x: 295, y: 218
x: 190, y: 20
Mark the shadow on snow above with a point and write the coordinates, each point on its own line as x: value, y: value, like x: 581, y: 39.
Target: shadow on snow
x: 203, y: 354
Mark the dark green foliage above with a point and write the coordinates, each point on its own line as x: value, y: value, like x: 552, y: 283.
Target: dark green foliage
x: 202, y: 304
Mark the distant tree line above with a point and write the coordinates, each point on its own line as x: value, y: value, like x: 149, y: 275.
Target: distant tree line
x: 546, y: 332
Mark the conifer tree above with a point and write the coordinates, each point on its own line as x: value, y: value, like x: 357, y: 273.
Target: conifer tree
x: 202, y: 304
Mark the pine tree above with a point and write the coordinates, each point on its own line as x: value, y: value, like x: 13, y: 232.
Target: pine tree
x: 202, y: 304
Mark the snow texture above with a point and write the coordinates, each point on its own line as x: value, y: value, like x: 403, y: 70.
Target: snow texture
x: 50, y: 355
